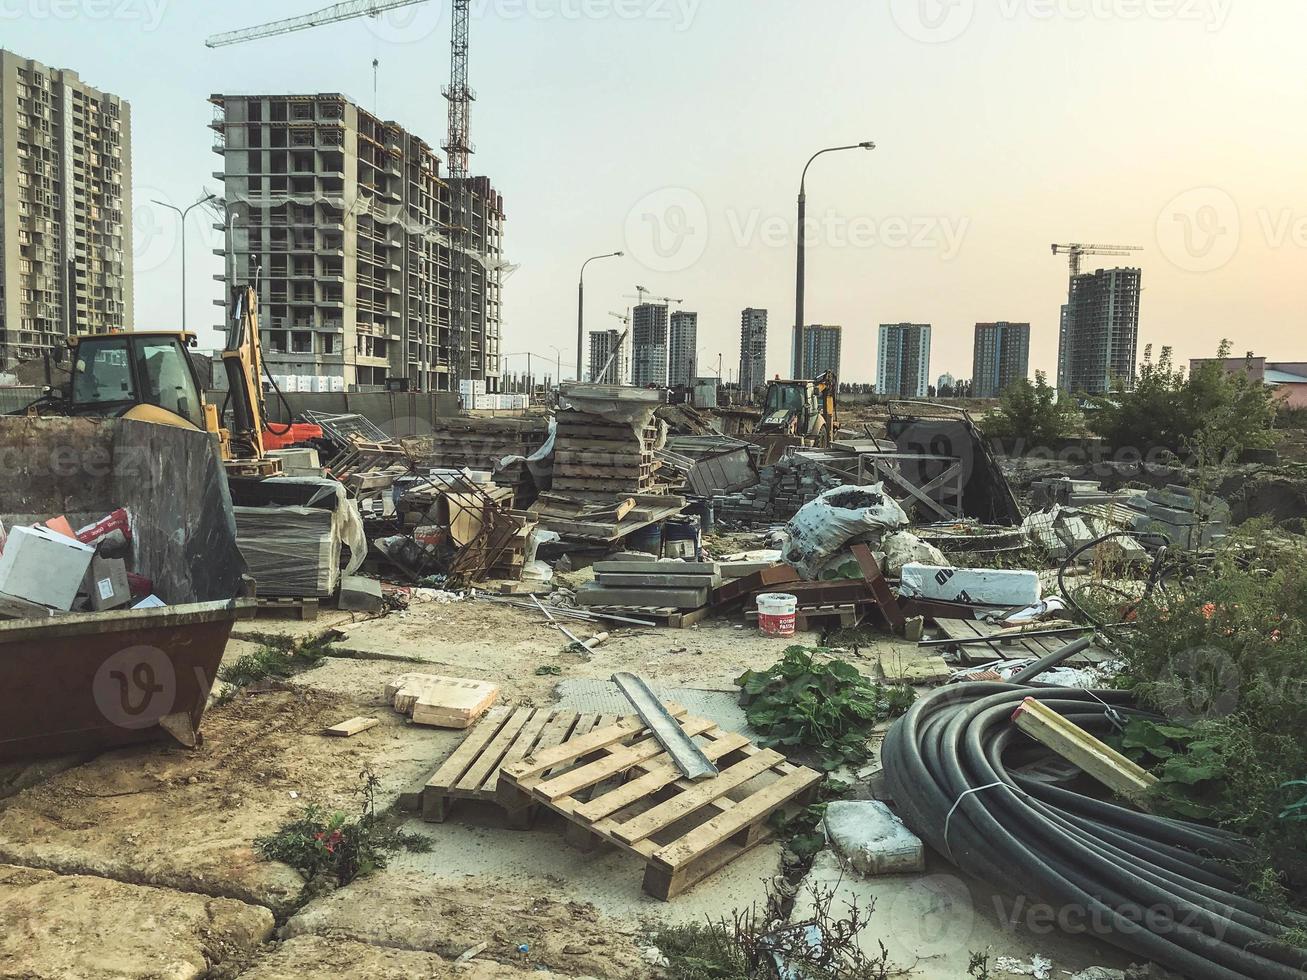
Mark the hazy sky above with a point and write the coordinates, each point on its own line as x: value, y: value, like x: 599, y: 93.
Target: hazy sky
x: 676, y: 129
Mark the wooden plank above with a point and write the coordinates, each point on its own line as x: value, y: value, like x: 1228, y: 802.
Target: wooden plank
x: 542, y: 761
x: 453, y: 768
x: 351, y: 727
x: 494, y: 751
x: 660, y: 774
x: 753, y: 808
x: 683, y: 804
x: 526, y: 738
x: 615, y: 763
x: 875, y: 579
x: 1090, y: 754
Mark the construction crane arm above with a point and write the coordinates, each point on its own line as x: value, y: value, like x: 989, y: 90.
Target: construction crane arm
x: 328, y: 15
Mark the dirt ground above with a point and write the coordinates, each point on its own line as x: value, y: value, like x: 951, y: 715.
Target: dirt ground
x: 140, y: 862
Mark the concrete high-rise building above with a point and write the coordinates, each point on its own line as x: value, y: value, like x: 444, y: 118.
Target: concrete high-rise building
x: 350, y: 218
x: 903, y: 365
x: 1100, y: 332
x: 753, y: 351
x: 945, y: 381
x: 66, y: 222
x: 604, y: 344
x: 683, y: 350
x: 1001, y: 357
x: 649, y: 345
x: 821, y: 350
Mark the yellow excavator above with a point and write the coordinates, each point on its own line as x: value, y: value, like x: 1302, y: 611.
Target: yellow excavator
x: 148, y: 376
x: 797, y: 413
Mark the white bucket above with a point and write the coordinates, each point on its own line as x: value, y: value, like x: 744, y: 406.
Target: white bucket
x: 776, y: 613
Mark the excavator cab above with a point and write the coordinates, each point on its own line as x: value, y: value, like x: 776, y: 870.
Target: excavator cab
x: 147, y: 377
x: 796, y: 413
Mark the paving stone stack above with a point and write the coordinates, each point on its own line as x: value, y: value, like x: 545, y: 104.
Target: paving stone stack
x: 650, y: 583
x: 596, y: 454
x: 479, y: 444
x: 782, y: 489
x: 1178, y: 514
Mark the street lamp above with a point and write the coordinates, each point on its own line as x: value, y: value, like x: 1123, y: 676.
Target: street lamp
x: 558, y: 366
x: 580, y: 309
x: 799, y: 319
x: 184, y: 213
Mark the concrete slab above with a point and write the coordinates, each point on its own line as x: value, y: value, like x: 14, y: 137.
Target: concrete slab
x: 359, y: 594
x: 593, y: 594
x: 872, y: 839
x: 932, y: 923
x: 57, y: 926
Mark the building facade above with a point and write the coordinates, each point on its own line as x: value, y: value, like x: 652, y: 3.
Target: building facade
x: 649, y: 328
x: 1000, y: 358
x: 683, y: 349
x: 903, y: 364
x: 374, y: 266
x: 605, y: 346
x: 1100, y: 332
x: 821, y: 350
x: 66, y: 217
x: 753, y: 352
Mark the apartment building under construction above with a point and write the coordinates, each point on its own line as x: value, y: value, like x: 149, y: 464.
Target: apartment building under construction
x: 1100, y: 332
x: 66, y: 220
x: 359, y: 240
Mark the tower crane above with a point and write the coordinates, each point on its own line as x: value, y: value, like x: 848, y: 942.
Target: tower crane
x: 1078, y: 252
x: 458, y: 144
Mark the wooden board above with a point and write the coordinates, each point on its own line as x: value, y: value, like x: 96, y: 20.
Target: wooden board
x: 620, y: 788
x: 662, y: 615
x: 1011, y: 648
x: 506, y: 736
x: 353, y: 726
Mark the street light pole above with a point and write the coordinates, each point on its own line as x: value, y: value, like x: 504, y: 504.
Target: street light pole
x: 184, y: 213
x: 580, y: 309
x: 799, y: 318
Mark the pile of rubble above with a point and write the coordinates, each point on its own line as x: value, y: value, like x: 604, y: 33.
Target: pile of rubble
x: 782, y: 489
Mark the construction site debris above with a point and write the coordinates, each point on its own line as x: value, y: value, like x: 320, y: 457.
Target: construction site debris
x: 782, y: 488
x: 871, y: 839
x: 359, y: 594
x: 351, y: 727
x: 683, y: 751
x: 905, y: 548
x: 835, y: 519
x: 44, y: 567
x: 441, y: 702
x: 981, y: 586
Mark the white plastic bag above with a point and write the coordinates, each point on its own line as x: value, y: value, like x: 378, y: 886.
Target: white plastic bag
x: 838, y: 517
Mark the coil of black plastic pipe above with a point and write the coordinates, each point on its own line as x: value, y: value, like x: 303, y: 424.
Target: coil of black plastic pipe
x: 1156, y: 887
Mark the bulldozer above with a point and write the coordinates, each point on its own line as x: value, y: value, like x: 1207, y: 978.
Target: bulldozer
x: 148, y: 376
x: 797, y: 413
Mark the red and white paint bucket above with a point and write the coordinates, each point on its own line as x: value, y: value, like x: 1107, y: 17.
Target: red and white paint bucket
x: 776, y: 614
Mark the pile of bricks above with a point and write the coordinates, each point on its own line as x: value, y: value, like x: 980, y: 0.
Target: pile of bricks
x: 597, y: 455
x: 782, y: 489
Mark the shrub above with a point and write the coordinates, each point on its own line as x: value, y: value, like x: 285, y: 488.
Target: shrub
x: 1033, y: 412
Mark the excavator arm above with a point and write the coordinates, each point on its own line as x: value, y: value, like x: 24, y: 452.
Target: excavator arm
x: 242, y: 359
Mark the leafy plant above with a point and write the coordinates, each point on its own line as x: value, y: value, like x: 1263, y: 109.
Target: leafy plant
x: 1033, y: 412
x: 827, y: 707
x: 335, y: 845
x: 979, y: 966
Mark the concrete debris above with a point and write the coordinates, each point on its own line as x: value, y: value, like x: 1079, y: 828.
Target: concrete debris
x: 1099, y: 973
x: 359, y: 594
x: 874, y: 841
x: 782, y: 489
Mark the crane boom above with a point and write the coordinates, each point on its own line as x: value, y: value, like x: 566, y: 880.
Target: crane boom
x: 1078, y: 251
x: 328, y: 15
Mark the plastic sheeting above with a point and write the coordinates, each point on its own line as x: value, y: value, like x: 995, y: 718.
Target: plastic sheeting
x: 348, y: 522
x: 839, y: 517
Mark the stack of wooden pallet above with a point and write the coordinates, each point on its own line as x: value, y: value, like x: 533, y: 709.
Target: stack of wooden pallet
x: 613, y: 783
x: 595, y: 454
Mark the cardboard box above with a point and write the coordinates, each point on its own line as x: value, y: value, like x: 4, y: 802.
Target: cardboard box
x: 106, y: 584
x: 44, y: 566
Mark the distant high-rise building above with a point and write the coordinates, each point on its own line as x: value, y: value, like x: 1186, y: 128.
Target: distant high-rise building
x: 903, y: 367
x: 945, y: 381
x: 348, y: 217
x: 66, y: 220
x: 753, y: 351
x: 649, y: 345
x: 1100, y: 334
x: 604, y: 346
x: 821, y: 350
x: 1001, y: 357
x: 682, y: 346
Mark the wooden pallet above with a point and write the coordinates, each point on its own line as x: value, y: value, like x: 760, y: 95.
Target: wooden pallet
x: 617, y: 786
x: 301, y: 608
x: 503, y: 737
x: 662, y: 615
x: 818, y: 617
x: 1012, y: 648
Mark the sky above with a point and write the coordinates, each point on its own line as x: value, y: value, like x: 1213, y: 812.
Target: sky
x: 676, y: 131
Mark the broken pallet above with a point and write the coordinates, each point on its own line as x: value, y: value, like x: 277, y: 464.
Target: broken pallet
x: 682, y: 830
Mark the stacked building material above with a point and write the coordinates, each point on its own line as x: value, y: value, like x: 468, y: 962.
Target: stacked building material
x: 782, y: 488
x: 291, y: 551
x: 649, y: 583
x: 597, y: 454
x: 1185, y: 520
x: 480, y: 444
